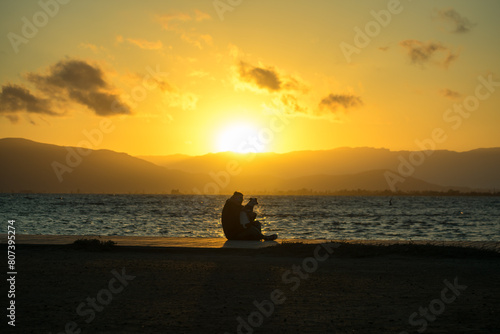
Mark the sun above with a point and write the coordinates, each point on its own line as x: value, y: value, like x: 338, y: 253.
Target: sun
x: 240, y: 138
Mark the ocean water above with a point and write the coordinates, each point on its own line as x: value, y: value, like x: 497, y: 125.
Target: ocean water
x: 310, y: 217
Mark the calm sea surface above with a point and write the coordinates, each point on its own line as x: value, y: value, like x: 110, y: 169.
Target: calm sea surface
x: 311, y: 217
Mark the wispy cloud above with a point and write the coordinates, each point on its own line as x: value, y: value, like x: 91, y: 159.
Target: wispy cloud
x: 451, y: 21
x: 288, y: 94
x: 199, y: 74
x: 185, y: 101
x: 332, y: 108
x: 172, y: 21
x: 146, y: 45
x: 421, y: 53
x: 290, y: 105
x: 176, y: 23
x: 334, y: 102
x: 200, y: 16
x: 450, y: 94
x: 197, y: 40
x: 175, y: 98
x: 90, y: 46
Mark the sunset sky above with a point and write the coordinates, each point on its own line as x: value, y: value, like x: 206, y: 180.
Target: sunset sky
x: 195, y: 77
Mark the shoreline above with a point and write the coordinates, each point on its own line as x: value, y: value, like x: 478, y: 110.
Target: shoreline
x: 201, y: 242
x: 291, y: 287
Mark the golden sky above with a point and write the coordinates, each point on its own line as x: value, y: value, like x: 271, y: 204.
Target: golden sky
x: 193, y: 77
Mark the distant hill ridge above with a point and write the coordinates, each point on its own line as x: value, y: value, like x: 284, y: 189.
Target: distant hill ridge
x: 36, y: 167
x: 476, y: 169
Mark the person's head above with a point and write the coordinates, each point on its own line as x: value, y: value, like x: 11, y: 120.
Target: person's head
x: 237, y: 197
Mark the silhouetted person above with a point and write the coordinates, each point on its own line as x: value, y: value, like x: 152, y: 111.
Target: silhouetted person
x: 234, y: 214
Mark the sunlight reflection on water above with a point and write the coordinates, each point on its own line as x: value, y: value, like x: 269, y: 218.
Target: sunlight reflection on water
x: 312, y: 217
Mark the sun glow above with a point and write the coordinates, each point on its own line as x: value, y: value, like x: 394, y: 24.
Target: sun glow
x: 239, y: 138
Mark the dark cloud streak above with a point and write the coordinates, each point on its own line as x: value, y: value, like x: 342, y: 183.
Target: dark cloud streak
x: 15, y: 98
x: 67, y: 81
x: 448, y: 93
x: 425, y: 52
x: 453, y: 22
x: 264, y: 78
x: 333, y: 101
x: 84, y: 84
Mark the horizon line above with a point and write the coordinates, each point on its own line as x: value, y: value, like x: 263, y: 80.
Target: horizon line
x: 257, y: 153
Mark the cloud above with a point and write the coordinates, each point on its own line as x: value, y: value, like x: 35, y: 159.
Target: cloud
x: 15, y: 98
x: 200, y: 16
x: 422, y: 53
x: 198, y: 74
x: 294, y: 84
x: 171, y: 21
x: 197, y: 40
x: 70, y: 75
x: 66, y: 82
x: 175, y: 23
x: 12, y: 118
x: 331, y: 108
x: 263, y: 78
x: 185, y: 101
x: 451, y: 21
x: 448, y: 93
x: 90, y: 46
x: 289, y: 104
x: 83, y: 83
x: 146, y: 45
x: 332, y: 102
x: 173, y: 97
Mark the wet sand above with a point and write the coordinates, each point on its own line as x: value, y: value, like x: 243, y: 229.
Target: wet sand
x: 288, y: 288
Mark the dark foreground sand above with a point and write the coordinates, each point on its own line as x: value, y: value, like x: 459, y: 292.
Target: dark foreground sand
x: 356, y: 289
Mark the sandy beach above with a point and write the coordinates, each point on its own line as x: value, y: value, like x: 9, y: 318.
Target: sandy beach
x: 288, y: 288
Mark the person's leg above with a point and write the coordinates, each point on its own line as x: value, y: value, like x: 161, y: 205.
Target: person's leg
x: 257, y: 225
x: 252, y: 232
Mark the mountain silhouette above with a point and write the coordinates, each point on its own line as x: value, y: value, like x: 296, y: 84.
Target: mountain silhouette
x: 476, y: 169
x: 29, y: 166
x: 32, y: 166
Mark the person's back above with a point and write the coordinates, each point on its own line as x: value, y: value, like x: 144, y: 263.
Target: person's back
x: 231, y: 217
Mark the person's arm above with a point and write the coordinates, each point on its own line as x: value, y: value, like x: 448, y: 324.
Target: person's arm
x: 244, y: 219
x: 248, y: 208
